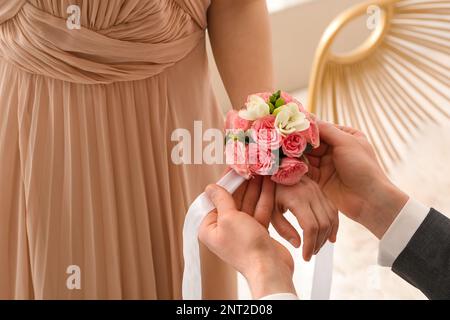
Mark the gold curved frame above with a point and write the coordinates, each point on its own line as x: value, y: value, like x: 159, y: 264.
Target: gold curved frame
x: 324, y: 53
x: 395, y: 81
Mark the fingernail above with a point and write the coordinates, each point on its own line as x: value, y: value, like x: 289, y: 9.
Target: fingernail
x: 210, y: 191
x: 294, y: 242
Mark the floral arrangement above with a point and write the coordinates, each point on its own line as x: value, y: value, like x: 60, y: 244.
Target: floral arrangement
x: 270, y: 137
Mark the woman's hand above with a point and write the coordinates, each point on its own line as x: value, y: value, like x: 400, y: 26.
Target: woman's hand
x: 314, y: 212
x: 238, y: 239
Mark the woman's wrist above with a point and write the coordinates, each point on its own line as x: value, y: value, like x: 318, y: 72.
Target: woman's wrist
x: 267, y: 276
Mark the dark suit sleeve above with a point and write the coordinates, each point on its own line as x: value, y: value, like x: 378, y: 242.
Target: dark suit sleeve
x: 425, y: 262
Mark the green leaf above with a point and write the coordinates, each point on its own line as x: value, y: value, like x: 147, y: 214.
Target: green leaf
x: 280, y: 102
x: 273, y: 99
x: 278, y: 94
x: 272, y: 107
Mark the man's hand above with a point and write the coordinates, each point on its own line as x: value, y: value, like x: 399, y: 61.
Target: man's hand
x: 347, y: 170
x: 238, y: 239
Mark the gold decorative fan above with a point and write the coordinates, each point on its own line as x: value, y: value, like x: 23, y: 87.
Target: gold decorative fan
x: 397, y: 80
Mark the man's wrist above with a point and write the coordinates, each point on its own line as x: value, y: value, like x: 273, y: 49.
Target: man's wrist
x: 383, y: 206
x: 268, y: 277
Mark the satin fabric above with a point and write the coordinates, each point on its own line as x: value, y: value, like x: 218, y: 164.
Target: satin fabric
x: 86, y: 176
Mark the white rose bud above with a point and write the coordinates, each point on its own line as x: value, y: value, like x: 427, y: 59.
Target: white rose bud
x: 256, y: 109
x: 290, y: 119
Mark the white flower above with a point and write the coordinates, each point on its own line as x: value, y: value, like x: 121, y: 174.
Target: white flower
x: 256, y: 109
x: 290, y: 119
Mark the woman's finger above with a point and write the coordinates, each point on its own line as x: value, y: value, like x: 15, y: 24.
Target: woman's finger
x: 331, y: 212
x: 265, y: 205
x: 314, y: 173
x: 320, y: 212
x: 334, y: 230
x: 309, y: 224
x: 251, y: 196
x: 239, y: 194
x: 320, y: 151
x: 285, y: 229
x: 333, y: 215
x: 313, y: 161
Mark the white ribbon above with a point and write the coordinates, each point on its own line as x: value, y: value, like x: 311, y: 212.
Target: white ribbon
x: 323, y: 273
x: 192, y: 277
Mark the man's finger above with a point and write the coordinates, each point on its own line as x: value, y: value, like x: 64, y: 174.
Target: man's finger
x: 350, y: 130
x: 221, y: 198
x: 331, y: 135
x: 207, y: 228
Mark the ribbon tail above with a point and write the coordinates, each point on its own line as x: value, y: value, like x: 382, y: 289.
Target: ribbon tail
x: 323, y: 273
x: 192, y: 277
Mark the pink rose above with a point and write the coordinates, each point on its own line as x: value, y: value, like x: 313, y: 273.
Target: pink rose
x: 288, y: 99
x: 264, y: 133
x: 261, y: 160
x: 236, y: 155
x: 290, y: 172
x: 294, y: 145
x: 312, y: 135
x: 233, y: 121
x: 264, y: 95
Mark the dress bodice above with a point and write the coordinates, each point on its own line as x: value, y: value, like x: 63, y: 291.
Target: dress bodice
x: 115, y: 14
x: 119, y: 40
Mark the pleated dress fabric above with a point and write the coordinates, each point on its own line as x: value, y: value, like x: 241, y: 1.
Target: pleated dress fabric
x: 86, y: 176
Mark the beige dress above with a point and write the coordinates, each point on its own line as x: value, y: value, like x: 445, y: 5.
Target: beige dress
x: 86, y: 177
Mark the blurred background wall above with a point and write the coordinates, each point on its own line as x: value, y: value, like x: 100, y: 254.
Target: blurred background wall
x: 297, y: 26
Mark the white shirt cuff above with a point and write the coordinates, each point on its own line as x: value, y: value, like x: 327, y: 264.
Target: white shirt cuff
x: 401, y: 231
x: 280, y: 296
